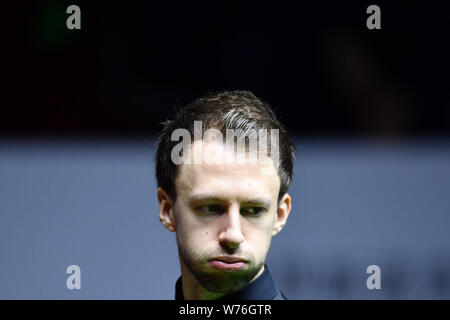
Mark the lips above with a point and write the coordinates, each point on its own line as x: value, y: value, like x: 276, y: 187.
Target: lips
x: 227, y: 263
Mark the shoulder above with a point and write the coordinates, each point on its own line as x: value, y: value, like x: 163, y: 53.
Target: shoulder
x: 280, y: 296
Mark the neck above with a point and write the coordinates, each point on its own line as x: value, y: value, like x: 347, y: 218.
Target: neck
x: 193, y: 290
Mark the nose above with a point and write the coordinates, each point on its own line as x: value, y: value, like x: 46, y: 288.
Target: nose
x: 231, y: 235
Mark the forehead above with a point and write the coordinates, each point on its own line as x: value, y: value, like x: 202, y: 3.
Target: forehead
x: 236, y: 180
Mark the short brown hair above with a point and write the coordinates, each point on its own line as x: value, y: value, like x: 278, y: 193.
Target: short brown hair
x: 223, y: 110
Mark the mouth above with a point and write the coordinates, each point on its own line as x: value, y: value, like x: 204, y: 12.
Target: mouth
x: 228, y: 263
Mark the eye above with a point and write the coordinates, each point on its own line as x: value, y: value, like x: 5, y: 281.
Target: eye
x: 211, y: 209
x: 254, y: 211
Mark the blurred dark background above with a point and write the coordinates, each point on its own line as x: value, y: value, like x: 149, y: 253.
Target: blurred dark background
x: 315, y: 62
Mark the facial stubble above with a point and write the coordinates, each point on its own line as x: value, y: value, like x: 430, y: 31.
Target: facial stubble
x: 214, y: 280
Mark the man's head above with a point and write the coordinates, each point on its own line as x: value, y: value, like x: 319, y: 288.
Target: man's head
x: 224, y: 213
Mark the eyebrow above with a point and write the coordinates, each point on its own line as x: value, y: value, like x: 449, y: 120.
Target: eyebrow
x: 212, y: 198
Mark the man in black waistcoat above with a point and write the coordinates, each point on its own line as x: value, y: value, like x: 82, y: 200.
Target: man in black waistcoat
x: 224, y: 165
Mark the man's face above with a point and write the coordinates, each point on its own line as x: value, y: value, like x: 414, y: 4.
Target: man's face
x: 224, y: 217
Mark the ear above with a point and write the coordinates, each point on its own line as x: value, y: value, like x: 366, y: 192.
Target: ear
x: 166, y: 214
x: 283, y: 211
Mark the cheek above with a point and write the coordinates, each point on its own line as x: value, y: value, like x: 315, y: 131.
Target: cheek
x: 259, y: 234
x: 195, y: 235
